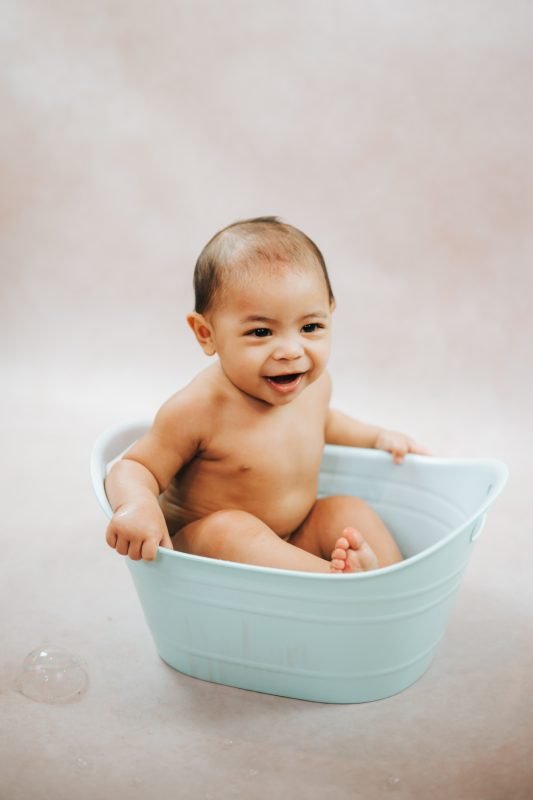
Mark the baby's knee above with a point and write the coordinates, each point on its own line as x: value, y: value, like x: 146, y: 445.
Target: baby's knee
x: 220, y: 523
x: 220, y: 528
x: 343, y: 505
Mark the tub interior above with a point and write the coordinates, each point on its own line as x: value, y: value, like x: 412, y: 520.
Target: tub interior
x: 422, y: 501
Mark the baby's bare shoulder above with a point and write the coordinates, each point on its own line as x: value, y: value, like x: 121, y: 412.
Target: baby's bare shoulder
x: 180, y: 429
x: 190, y: 406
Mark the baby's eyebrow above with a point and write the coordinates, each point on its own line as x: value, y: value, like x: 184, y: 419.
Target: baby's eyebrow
x: 255, y: 318
x: 258, y: 318
x: 316, y: 315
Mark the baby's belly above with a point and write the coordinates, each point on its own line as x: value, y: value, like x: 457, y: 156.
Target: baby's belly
x: 283, y: 512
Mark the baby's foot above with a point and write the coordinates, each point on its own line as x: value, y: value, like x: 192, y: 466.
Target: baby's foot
x: 352, y: 553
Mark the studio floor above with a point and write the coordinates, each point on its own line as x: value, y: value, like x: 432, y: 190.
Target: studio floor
x: 463, y: 730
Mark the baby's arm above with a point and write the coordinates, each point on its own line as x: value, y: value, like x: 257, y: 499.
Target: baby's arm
x: 342, y: 429
x: 135, y: 482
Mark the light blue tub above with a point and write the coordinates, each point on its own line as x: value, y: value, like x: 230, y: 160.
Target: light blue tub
x: 328, y: 638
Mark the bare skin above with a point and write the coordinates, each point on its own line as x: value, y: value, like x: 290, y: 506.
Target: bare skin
x: 230, y: 467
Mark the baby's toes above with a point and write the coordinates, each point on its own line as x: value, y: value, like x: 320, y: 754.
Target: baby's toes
x: 339, y: 555
x: 340, y: 552
x: 360, y: 557
x: 342, y: 543
x: 338, y: 558
x: 354, y: 540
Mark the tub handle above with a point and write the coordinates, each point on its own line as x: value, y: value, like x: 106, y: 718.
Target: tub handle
x: 478, y: 526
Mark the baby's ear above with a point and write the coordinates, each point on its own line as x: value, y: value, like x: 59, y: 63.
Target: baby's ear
x: 203, y: 332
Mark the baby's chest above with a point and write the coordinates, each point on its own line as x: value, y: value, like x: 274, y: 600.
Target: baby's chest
x: 266, y: 451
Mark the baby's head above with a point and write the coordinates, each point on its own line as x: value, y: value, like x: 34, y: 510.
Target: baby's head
x: 250, y: 251
x: 263, y: 304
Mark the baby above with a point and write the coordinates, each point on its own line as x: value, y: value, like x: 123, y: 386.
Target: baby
x: 229, y: 468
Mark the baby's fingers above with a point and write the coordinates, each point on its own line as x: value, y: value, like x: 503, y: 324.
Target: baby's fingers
x: 166, y: 541
x: 418, y: 449
x: 111, y: 537
x: 115, y: 540
x: 150, y: 546
x: 134, y: 550
x: 398, y: 453
x: 122, y: 546
x: 149, y: 549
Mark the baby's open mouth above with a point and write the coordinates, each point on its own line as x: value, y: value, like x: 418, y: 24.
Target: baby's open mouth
x: 281, y: 379
x: 285, y: 384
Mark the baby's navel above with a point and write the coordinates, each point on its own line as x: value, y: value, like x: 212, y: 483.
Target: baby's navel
x: 244, y: 468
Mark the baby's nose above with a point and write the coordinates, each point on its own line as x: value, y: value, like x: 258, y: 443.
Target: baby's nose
x: 288, y: 350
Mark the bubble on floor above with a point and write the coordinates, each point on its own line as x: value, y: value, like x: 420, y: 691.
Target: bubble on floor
x: 51, y: 674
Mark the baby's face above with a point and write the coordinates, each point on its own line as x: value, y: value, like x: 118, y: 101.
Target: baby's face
x: 273, y: 335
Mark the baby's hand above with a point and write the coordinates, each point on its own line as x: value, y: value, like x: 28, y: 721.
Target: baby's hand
x: 137, y: 529
x: 399, y: 445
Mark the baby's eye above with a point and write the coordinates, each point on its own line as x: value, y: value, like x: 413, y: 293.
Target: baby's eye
x: 260, y: 333
x: 311, y: 327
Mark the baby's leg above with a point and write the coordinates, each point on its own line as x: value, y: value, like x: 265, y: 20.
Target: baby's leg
x: 346, y: 528
x: 238, y: 536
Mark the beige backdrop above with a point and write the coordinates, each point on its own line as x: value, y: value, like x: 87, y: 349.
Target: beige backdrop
x: 398, y: 136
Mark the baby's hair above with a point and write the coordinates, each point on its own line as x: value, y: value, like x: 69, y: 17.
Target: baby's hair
x: 242, y: 244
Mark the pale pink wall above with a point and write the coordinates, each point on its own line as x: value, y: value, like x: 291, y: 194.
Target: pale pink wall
x: 396, y: 134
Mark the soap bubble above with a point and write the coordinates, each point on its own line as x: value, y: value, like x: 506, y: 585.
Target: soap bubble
x: 51, y: 674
